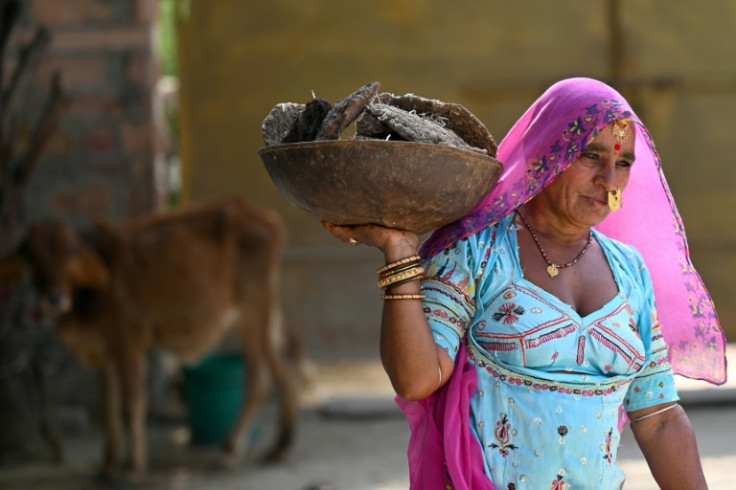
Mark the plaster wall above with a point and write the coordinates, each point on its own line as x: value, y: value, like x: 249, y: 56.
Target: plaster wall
x: 238, y: 59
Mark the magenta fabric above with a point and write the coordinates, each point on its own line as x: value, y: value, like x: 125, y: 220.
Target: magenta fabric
x: 541, y: 145
x: 442, y: 444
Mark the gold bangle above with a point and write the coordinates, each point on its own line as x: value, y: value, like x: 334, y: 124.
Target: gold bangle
x: 398, y: 269
x: 399, y: 276
x: 387, y: 297
x: 398, y: 263
x: 403, y: 281
x: 411, y: 273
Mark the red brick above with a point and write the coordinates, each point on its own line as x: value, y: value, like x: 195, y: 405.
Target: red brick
x: 94, y: 40
x: 100, y: 138
x: 107, y: 170
x: 94, y: 106
x: 93, y: 202
x: 141, y: 191
x: 146, y: 11
x: 60, y: 143
x: 72, y: 12
x: 142, y: 70
x: 76, y: 73
x: 138, y: 137
x: 141, y: 169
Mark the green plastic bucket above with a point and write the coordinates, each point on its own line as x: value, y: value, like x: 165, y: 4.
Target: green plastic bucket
x: 213, y: 391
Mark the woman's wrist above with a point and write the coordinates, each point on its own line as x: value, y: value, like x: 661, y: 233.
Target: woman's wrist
x: 399, y: 251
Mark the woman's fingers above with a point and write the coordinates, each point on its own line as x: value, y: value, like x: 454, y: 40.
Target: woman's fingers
x: 344, y: 233
x: 372, y: 235
x: 355, y: 235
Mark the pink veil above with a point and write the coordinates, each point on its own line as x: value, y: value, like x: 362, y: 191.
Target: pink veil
x: 543, y: 142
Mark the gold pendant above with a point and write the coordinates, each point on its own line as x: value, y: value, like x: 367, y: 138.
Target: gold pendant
x: 614, y: 200
x: 552, y: 270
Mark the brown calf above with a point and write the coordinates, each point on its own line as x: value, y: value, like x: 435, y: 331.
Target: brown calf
x: 178, y: 282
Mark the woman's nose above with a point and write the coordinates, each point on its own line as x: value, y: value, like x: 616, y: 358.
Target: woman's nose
x: 607, y: 176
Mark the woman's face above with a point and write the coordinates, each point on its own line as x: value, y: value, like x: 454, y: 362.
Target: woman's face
x: 580, y: 194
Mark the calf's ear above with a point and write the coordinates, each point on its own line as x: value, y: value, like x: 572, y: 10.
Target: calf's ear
x: 86, y: 269
x: 12, y: 268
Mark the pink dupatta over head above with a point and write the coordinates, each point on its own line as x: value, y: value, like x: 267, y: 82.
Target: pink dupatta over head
x: 539, y: 147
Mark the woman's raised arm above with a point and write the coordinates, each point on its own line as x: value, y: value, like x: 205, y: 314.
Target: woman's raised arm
x: 416, y: 366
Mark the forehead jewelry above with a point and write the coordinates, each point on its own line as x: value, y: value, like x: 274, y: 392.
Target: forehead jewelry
x: 614, y: 199
x: 621, y: 132
x: 552, y: 268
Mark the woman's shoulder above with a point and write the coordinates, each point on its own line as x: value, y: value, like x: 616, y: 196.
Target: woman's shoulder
x: 481, y: 247
x: 625, y: 254
x: 493, y: 234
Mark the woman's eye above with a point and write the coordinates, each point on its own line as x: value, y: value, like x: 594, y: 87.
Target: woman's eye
x: 590, y: 156
x: 624, y: 163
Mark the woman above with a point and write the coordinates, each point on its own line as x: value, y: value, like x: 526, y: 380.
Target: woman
x: 531, y: 330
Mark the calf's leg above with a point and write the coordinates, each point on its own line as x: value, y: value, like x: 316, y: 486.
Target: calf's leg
x: 135, y: 402
x: 110, y: 391
x: 257, y: 386
x: 285, y: 369
x: 49, y: 427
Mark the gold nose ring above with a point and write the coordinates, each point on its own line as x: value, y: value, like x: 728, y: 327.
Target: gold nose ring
x: 614, y: 199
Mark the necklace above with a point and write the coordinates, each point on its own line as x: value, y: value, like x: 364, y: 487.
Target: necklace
x: 552, y: 268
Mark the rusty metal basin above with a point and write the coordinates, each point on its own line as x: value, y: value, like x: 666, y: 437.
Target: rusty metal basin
x: 410, y: 186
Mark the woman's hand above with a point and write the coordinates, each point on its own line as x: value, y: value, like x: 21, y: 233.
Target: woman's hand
x: 395, y: 244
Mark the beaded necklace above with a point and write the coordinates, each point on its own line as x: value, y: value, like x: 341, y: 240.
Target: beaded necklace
x: 552, y: 268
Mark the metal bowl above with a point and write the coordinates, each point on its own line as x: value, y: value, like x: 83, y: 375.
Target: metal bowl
x: 398, y: 184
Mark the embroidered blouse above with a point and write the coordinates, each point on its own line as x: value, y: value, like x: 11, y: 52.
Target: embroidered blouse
x: 550, y: 382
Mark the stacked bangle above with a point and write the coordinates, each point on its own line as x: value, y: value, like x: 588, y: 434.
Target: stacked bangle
x: 400, y: 272
x: 399, y: 278
x: 390, y: 267
x: 387, y: 297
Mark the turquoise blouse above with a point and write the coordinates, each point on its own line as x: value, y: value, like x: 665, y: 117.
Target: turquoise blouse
x: 550, y: 382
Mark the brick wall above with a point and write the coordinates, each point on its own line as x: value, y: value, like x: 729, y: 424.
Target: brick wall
x: 98, y: 164
x: 100, y: 161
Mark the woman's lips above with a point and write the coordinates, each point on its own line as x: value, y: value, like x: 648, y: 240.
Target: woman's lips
x: 598, y: 201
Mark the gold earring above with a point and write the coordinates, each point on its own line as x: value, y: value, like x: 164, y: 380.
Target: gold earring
x: 614, y: 199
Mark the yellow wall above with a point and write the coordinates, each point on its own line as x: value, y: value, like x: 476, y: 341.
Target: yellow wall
x: 239, y: 58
